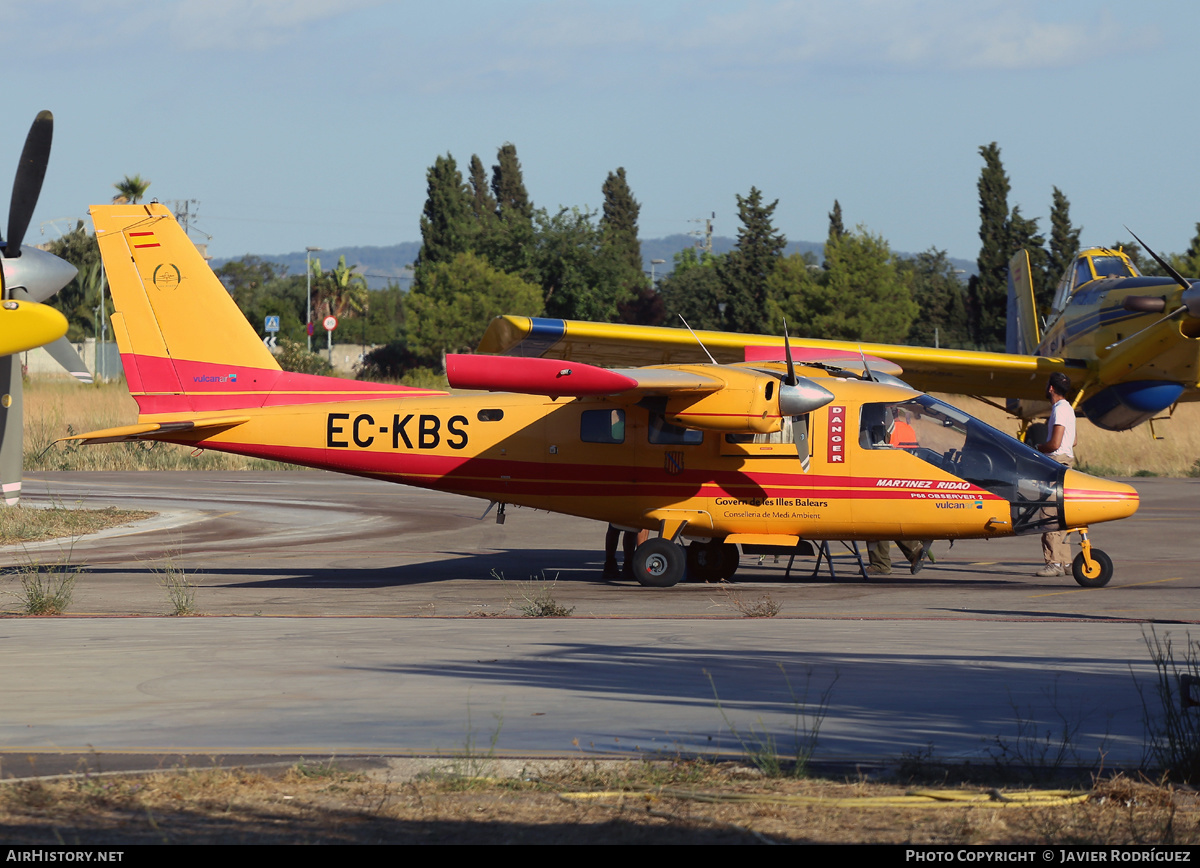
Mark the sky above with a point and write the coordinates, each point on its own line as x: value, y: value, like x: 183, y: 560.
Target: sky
x: 301, y: 123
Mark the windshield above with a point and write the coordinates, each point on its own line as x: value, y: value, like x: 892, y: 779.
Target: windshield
x: 960, y: 444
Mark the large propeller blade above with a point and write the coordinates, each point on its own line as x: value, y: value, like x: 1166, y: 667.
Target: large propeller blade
x: 1191, y: 293
x: 797, y: 397
x: 28, y: 184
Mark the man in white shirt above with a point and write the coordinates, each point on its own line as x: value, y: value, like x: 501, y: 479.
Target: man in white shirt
x: 1059, y: 445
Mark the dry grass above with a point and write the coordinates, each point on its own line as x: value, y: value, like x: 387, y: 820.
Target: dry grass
x: 19, y: 524
x: 56, y: 408
x: 580, y: 802
x: 764, y: 606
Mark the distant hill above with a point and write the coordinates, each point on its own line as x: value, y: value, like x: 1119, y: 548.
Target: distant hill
x: 384, y: 265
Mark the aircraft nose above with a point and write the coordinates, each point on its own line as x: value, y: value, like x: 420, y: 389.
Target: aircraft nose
x: 1090, y: 499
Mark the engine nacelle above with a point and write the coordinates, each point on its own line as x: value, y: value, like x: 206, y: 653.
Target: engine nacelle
x: 748, y: 403
x: 1127, y: 405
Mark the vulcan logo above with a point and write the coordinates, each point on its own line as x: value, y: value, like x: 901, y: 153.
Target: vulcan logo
x: 209, y: 378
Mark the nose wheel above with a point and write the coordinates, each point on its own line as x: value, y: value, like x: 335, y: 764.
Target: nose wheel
x: 1092, y: 568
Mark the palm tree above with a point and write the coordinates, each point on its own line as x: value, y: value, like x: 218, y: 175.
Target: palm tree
x: 130, y: 190
x: 339, y: 291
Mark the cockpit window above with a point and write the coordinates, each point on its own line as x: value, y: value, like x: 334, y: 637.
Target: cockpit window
x: 1112, y: 266
x: 959, y: 444
x: 1082, y: 273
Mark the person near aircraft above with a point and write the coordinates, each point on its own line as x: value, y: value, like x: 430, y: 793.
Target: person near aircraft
x: 1059, y: 445
x: 610, y: 553
x: 900, y: 435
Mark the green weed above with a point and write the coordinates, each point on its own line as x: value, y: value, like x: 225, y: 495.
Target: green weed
x: 536, y: 598
x: 1171, y: 718
x: 763, y: 749
x: 46, y: 589
x: 178, y: 585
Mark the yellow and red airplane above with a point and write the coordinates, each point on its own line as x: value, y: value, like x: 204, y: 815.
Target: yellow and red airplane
x: 1130, y: 344
x: 761, y: 452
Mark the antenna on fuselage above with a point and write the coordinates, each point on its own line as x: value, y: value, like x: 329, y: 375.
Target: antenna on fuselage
x: 866, y: 367
x: 697, y: 337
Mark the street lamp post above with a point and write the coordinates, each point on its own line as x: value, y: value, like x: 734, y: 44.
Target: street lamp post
x: 654, y: 262
x: 308, y: 327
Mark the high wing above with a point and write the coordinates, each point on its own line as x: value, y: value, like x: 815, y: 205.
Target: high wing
x: 964, y: 372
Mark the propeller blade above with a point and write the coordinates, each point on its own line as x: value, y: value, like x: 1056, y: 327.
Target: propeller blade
x: 800, y: 438
x: 787, y: 349
x: 64, y: 352
x: 28, y: 184
x: 1175, y: 275
x: 11, y: 435
x: 1191, y: 297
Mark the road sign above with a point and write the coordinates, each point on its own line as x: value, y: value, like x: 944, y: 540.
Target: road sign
x: 270, y: 342
x: 272, y: 324
x: 330, y: 323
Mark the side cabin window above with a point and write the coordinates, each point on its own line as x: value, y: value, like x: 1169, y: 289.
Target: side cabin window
x: 886, y: 426
x: 1082, y: 272
x: 780, y: 444
x: 602, y: 426
x: 662, y: 432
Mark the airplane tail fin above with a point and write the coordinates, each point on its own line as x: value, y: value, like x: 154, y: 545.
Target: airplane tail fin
x: 1023, y: 335
x: 184, y: 343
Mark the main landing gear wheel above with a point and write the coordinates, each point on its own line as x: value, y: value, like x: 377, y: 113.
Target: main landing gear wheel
x: 1093, y: 575
x: 712, y: 562
x: 659, y: 563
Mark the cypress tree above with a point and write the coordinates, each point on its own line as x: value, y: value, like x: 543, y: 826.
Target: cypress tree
x: 1064, y: 245
x: 619, y: 238
x: 837, y: 230
x: 618, y: 221
x: 446, y: 222
x: 510, y: 249
x: 483, y: 204
x: 745, y: 270
x: 508, y: 186
x: 988, y: 290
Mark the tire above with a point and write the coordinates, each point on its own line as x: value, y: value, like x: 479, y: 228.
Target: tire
x: 659, y: 563
x: 1100, y: 579
x: 712, y: 562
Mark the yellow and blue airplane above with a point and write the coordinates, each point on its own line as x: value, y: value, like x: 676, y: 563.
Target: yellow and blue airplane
x: 714, y: 454
x: 28, y: 276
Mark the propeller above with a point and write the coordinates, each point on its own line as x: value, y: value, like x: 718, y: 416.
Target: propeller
x: 797, y: 397
x: 33, y: 275
x: 1191, y: 293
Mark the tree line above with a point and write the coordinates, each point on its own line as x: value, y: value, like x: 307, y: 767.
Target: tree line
x: 487, y: 250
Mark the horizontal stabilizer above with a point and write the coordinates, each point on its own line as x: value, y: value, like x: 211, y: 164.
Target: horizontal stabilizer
x: 158, y: 430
